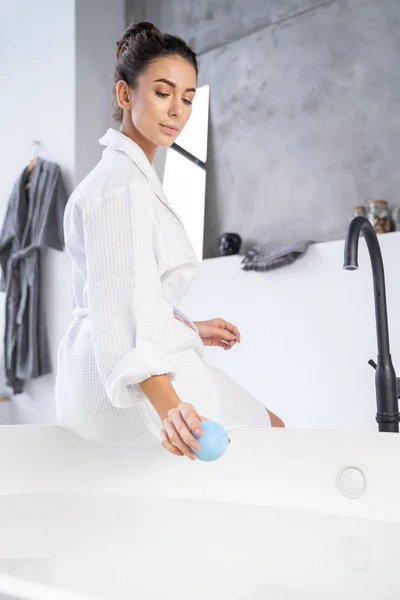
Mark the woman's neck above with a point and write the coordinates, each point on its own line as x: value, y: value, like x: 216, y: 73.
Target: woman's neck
x: 148, y: 147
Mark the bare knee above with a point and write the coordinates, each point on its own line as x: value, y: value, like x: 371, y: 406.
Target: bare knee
x: 275, y: 420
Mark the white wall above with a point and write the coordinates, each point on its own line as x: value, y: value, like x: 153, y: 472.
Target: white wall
x: 55, y: 85
x: 37, y: 90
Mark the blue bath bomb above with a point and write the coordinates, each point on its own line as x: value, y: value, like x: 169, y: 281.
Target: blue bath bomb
x: 213, y: 442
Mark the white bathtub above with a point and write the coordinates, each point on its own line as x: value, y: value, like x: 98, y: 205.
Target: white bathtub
x: 267, y: 521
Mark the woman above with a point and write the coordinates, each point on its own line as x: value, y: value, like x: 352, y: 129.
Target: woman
x: 131, y: 366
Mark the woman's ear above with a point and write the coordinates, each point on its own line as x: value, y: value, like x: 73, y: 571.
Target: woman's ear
x: 123, y: 95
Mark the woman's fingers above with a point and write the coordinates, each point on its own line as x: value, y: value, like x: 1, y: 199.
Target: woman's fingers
x: 179, y: 430
x: 236, y: 332
x: 165, y: 443
x: 226, y: 335
x: 191, y: 418
x: 176, y: 440
x: 232, y: 329
x: 225, y: 338
x: 226, y: 345
x: 184, y: 430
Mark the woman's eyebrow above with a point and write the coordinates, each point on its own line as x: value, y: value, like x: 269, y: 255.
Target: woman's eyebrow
x: 172, y: 84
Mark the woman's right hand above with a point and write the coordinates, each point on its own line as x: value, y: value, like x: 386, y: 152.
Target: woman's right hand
x: 176, y: 435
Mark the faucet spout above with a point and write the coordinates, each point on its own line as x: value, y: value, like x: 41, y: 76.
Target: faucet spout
x: 387, y: 414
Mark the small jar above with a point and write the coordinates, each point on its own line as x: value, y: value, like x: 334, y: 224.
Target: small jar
x: 379, y: 216
x: 359, y: 211
x: 396, y: 218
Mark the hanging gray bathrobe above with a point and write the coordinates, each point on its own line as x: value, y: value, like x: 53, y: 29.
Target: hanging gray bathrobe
x: 33, y: 222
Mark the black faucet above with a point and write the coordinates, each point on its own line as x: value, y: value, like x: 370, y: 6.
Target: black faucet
x: 386, y: 382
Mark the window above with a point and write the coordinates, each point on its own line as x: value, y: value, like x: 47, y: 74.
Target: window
x: 183, y: 173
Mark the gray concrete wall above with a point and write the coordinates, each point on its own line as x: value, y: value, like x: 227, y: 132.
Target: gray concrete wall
x: 99, y: 24
x: 305, y: 119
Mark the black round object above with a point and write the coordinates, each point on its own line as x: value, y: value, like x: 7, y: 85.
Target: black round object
x: 229, y: 243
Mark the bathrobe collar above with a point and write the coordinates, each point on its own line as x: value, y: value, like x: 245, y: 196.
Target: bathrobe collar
x: 117, y: 140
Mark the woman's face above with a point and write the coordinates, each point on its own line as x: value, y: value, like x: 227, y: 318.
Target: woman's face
x: 163, y: 98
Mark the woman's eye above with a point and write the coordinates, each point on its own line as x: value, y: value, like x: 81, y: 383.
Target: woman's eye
x: 162, y: 95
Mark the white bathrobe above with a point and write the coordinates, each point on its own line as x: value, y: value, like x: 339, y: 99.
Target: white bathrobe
x: 132, y: 264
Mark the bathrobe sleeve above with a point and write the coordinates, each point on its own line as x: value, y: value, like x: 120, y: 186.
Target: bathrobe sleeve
x: 6, y: 238
x: 126, y: 308
x: 184, y: 319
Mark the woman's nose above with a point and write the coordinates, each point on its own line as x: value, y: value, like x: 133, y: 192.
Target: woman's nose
x: 175, y: 109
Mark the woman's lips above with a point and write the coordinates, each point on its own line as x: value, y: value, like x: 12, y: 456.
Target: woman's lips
x: 169, y: 130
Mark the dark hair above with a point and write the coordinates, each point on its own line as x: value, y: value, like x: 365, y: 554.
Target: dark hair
x: 140, y: 44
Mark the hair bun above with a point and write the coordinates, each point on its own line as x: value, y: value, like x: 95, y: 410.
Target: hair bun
x: 134, y: 30
x: 143, y: 26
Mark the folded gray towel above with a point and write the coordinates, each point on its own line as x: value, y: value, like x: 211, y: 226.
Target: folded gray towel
x: 272, y: 256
